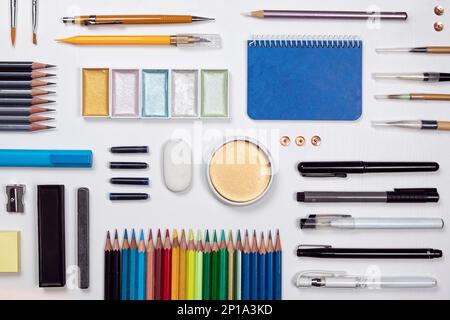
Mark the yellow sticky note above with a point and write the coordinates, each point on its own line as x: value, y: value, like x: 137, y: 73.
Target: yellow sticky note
x: 9, y: 251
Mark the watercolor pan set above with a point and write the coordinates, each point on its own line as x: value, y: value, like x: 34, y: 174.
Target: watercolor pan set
x: 155, y: 93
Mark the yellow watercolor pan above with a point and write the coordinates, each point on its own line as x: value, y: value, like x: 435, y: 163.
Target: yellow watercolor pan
x: 95, y: 92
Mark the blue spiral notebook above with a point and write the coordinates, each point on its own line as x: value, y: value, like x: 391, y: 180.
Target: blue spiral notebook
x: 304, y: 79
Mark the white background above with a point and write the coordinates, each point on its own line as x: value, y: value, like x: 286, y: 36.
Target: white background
x: 198, y: 208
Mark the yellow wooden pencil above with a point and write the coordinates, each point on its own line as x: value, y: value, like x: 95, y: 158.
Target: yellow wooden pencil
x: 175, y: 266
x: 190, y: 268
x: 199, y: 268
x: 182, y: 278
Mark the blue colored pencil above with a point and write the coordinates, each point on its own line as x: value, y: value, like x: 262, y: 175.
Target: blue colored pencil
x: 141, y: 268
x: 269, y: 269
x: 262, y: 269
x: 125, y: 292
x: 254, y: 269
x: 133, y: 267
x: 277, y: 257
x: 246, y: 269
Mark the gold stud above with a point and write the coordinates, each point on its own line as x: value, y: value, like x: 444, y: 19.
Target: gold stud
x: 316, y: 141
x: 438, y: 26
x: 285, y: 141
x: 300, y: 141
x: 439, y: 10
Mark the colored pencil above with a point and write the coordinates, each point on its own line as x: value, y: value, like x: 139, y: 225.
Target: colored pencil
x: 231, y: 268
x: 262, y: 269
x: 190, y: 268
x: 124, y: 289
x: 150, y: 277
x: 199, y: 268
x: 254, y: 269
x: 23, y: 66
x: 158, y: 267
x: 270, y: 269
x: 206, y: 292
x: 142, y: 270
x: 23, y: 76
x: 108, y: 259
x: 29, y: 94
x: 133, y: 267
x: 238, y: 276
x: 26, y: 102
x: 215, y: 269
x: 22, y: 111
x: 175, y: 278
x: 278, y: 267
x: 22, y: 119
x: 182, y: 278
x: 115, y: 269
x: 246, y: 268
x: 223, y: 268
x: 166, y: 268
x: 23, y: 84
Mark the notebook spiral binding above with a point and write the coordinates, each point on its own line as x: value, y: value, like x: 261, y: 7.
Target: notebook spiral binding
x: 305, y: 41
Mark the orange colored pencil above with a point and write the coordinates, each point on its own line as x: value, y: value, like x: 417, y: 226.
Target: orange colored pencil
x: 175, y: 278
x: 182, y: 286
x: 150, y: 288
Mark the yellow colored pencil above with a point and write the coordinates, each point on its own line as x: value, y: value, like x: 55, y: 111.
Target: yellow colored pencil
x: 175, y: 266
x: 198, y: 292
x: 182, y: 278
x: 190, y: 268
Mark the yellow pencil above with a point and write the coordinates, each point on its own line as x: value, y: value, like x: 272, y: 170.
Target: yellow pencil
x: 158, y: 40
x: 190, y: 268
x: 199, y: 268
x: 182, y: 278
x: 175, y: 266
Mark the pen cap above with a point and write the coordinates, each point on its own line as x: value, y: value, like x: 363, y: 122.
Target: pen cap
x: 320, y: 221
x: 413, y: 195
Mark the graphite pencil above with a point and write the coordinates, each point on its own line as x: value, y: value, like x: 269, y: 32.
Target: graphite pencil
x: 22, y: 119
x: 22, y: 76
x: 24, y: 84
x: 23, y: 101
x: 22, y: 111
x: 24, y: 127
x: 14, y: 93
x: 115, y: 269
x: 23, y: 66
x: 108, y: 259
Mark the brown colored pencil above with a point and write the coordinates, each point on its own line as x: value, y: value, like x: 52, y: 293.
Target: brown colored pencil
x: 182, y: 278
x: 158, y: 267
x: 108, y: 259
x: 150, y: 279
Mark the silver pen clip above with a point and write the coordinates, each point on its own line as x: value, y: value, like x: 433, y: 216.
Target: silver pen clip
x: 317, y: 274
x: 312, y: 246
x: 92, y: 21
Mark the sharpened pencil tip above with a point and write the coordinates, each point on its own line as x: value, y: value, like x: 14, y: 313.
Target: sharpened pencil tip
x: 222, y: 236
x: 175, y: 233
x: 191, y: 234
x: 116, y: 236
x: 133, y: 234
x: 108, y: 235
x: 215, y: 236
x: 207, y: 236
x: 199, y: 235
x: 239, y: 235
x: 167, y: 233
x: 159, y: 233
x: 125, y: 235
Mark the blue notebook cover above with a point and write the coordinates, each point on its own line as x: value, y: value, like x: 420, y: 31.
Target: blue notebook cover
x: 304, y: 79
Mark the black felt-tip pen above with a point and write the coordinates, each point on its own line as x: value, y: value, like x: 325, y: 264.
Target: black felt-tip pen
x: 342, y: 168
x: 129, y: 149
x: 128, y: 196
x: 319, y: 251
x: 128, y: 165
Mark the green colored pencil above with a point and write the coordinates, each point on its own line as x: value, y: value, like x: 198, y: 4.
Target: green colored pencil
x: 206, y: 294
x: 198, y: 268
x: 215, y: 269
x: 223, y: 268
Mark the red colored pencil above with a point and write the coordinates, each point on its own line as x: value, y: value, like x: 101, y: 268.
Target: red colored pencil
x: 158, y: 267
x: 167, y: 265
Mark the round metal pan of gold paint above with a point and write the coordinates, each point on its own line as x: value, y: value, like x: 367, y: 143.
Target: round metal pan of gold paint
x: 239, y: 171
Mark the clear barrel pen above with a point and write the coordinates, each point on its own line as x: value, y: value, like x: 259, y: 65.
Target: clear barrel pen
x: 347, y: 222
x: 340, y: 279
x: 423, y: 76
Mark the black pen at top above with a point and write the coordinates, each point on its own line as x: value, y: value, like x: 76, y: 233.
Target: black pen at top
x: 342, y: 168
